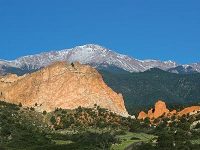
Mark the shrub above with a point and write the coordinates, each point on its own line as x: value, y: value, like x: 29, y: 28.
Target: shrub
x: 32, y: 109
x: 197, y: 126
x: 135, y: 138
x: 44, y: 112
x: 53, y: 120
x: 20, y: 104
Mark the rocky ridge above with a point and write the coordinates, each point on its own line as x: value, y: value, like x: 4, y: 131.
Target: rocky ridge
x: 61, y: 85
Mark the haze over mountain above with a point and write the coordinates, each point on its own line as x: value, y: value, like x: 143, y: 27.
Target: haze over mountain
x: 95, y: 55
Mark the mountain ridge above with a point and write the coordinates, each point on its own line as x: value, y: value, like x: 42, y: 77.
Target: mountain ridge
x: 95, y: 55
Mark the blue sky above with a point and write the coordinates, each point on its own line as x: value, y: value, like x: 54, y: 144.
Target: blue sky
x: 156, y: 29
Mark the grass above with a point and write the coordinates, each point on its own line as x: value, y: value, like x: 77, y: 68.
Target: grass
x: 126, y: 140
x: 197, y: 141
x: 62, y: 142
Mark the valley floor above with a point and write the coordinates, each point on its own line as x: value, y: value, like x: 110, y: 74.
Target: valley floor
x: 130, y: 138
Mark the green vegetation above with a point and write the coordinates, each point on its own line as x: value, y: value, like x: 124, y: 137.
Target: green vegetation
x: 131, y: 138
x: 92, y: 117
x: 173, y: 134
x: 20, y: 128
x: 92, y: 129
x: 142, y: 90
x: 82, y: 128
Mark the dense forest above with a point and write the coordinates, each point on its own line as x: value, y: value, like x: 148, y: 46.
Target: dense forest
x: 142, y: 90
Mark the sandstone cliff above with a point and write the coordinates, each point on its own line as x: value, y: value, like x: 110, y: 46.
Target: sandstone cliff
x: 61, y: 85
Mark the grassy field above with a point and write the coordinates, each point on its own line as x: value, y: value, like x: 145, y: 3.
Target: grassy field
x: 62, y: 142
x: 131, y: 138
x: 197, y: 141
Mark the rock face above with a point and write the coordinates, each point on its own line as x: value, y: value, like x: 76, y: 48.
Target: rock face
x: 142, y: 115
x: 61, y: 85
x: 161, y: 109
x: 189, y: 110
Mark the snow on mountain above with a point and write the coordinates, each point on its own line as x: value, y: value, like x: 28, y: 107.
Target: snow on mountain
x: 182, y: 69
x: 196, y: 66
x: 92, y: 54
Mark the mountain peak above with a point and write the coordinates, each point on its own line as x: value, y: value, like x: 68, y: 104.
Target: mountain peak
x: 90, y: 48
x: 93, y: 54
x: 170, y: 62
x: 93, y: 46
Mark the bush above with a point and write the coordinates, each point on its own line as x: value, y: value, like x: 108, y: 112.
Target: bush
x: 32, y: 109
x: 53, y: 120
x: 135, y: 138
x: 197, y: 126
x: 165, y: 139
x: 44, y: 112
x: 20, y: 104
x: 145, y: 146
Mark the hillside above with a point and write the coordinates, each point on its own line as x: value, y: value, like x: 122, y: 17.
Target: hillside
x: 141, y: 90
x: 23, y: 128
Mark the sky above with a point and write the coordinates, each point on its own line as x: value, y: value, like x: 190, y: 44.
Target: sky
x: 143, y: 29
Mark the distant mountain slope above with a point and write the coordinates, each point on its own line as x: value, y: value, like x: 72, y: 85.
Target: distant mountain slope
x: 92, y: 54
x: 184, y: 69
x: 142, y: 90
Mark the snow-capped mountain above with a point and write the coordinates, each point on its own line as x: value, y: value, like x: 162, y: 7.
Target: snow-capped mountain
x: 92, y: 54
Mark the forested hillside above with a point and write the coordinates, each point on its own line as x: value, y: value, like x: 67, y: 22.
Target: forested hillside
x: 142, y: 90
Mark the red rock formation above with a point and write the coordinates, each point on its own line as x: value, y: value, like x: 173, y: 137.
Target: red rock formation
x: 142, y: 115
x: 161, y: 109
x: 173, y: 112
x: 62, y: 85
x: 150, y: 113
x: 189, y: 110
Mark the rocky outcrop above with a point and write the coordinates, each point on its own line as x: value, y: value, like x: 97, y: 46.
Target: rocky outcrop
x: 173, y: 112
x: 161, y: 109
x: 189, y: 110
x: 61, y: 85
x: 142, y: 115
